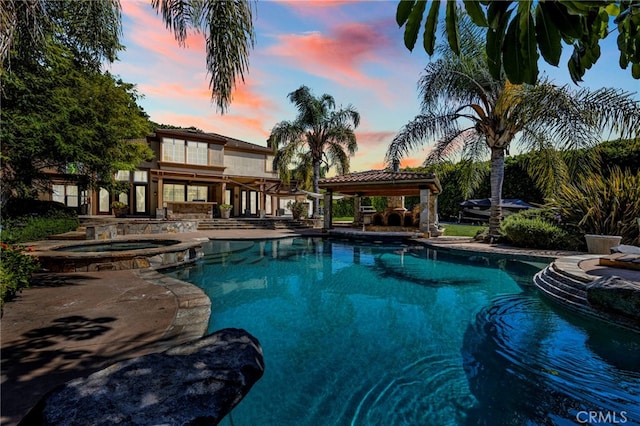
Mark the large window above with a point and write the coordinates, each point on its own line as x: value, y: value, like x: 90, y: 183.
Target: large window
x: 123, y: 175
x: 66, y: 194
x: 140, y: 202
x: 173, y: 192
x: 197, y: 193
x: 140, y: 176
x: 197, y: 153
x: 173, y: 150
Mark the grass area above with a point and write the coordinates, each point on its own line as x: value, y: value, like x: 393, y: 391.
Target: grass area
x: 451, y: 229
x: 460, y: 230
x: 343, y: 219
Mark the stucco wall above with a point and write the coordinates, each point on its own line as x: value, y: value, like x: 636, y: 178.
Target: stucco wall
x: 247, y: 164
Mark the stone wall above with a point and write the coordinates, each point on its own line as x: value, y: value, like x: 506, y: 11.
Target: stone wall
x: 108, y: 231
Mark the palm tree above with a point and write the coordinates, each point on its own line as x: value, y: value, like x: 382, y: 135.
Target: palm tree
x: 92, y: 30
x: 318, y: 136
x: 465, y: 110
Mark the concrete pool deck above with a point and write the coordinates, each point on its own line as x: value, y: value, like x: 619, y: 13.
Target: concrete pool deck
x: 69, y: 325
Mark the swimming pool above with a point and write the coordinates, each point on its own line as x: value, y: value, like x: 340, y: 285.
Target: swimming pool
x: 397, y: 335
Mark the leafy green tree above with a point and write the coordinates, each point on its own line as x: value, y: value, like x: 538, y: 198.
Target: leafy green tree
x: 58, y: 115
x: 320, y: 136
x: 465, y: 109
x: 516, y: 41
x: 91, y: 30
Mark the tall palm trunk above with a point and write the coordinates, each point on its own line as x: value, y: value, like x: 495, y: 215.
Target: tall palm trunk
x: 497, y: 178
x: 316, y: 188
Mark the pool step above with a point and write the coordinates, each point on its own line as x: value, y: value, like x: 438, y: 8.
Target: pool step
x: 569, y: 291
x: 555, y: 284
x: 212, y: 224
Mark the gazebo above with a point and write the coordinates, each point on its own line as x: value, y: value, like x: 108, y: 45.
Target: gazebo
x: 386, y: 183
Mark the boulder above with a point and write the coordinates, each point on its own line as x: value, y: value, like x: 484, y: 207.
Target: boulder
x: 626, y: 249
x: 616, y: 296
x: 195, y: 383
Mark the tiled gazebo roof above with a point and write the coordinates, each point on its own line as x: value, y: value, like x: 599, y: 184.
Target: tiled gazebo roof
x: 382, y: 182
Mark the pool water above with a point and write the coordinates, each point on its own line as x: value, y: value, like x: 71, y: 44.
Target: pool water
x: 373, y: 334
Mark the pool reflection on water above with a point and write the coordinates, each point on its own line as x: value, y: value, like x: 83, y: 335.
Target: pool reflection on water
x: 395, y: 334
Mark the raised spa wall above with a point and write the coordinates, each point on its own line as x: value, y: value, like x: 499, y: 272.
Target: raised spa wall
x: 61, y: 261
x: 109, y: 231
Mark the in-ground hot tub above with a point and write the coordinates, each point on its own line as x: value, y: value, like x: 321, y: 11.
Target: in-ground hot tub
x: 118, y: 246
x: 118, y: 254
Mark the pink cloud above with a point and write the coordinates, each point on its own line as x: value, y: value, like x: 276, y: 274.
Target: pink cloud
x: 337, y: 56
x: 374, y: 139
x: 318, y: 9
x: 150, y: 33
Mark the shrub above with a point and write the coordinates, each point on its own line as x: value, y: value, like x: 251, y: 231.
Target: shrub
x: 534, y: 232
x: 18, y: 207
x: 116, y: 205
x: 605, y: 205
x: 31, y: 220
x: 16, y: 268
x: 24, y: 229
x: 298, y: 209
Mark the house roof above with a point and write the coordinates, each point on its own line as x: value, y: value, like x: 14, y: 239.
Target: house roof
x: 382, y: 182
x: 227, y: 141
x: 242, y: 145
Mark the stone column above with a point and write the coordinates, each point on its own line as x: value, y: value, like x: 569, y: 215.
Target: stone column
x: 328, y: 210
x: 160, y: 192
x: 262, y: 202
x: 237, y: 203
x: 424, y: 210
x: 433, y: 215
x: 357, y: 216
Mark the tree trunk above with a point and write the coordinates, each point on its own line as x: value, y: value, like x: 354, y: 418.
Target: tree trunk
x: 316, y: 189
x: 497, y: 178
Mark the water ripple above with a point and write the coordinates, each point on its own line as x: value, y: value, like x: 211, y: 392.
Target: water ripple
x: 524, y: 363
x: 430, y: 390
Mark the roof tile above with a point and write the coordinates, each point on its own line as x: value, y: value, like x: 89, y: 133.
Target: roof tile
x: 377, y: 176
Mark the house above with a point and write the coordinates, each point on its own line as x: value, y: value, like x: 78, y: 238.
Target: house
x: 192, y: 173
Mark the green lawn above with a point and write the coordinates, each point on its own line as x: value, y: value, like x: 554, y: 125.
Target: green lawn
x: 451, y: 229
x: 343, y: 219
x: 460, y: 230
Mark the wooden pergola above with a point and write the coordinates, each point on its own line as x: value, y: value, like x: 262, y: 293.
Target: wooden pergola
x: 385, y: 183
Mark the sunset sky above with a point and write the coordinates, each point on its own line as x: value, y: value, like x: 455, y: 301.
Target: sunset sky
x: 352, y: 50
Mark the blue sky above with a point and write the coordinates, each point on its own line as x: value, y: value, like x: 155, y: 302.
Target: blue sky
x: 352, y: 50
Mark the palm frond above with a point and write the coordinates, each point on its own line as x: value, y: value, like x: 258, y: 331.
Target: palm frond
x: 451, y: 144
x: 338, y: 158
x: 546, y: 169
x: 419, y: 131
x: 472, y: 174
x: 178, y: 15
x: 230, y: 36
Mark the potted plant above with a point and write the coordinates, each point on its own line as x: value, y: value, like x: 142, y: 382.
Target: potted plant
x: 119, y: 209
x: 225, y: 210
x: 298, y: 209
